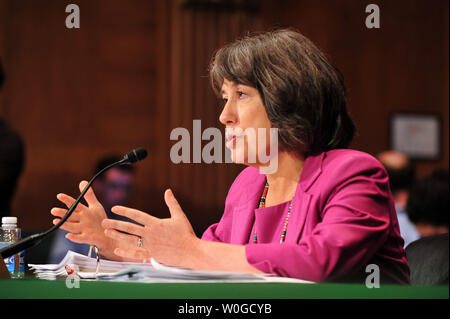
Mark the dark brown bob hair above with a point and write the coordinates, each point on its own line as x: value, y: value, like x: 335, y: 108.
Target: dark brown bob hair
x: 303, y: 94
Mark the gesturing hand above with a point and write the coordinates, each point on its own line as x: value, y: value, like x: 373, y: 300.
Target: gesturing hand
x: 84, y: 225
x: 167, y: 240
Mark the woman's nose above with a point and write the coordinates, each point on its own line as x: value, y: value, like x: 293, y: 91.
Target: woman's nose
x: 228, y: 117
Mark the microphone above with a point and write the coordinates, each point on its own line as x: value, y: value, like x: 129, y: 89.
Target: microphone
x: 134, y: 156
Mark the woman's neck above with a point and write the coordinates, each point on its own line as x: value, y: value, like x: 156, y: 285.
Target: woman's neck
x: 283, y: 183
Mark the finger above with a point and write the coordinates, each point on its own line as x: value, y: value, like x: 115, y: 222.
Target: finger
x: 77, y: 238
x: 123, y: 227
x: 90, y: 197
x: 61, y: 212
x: 138, y: 254
x: 84, y: 239
x: 134, y: 214
x: 68, y: 201
x: 70, y: 227
x: 123, y: 239
x: 56, y: 211
x: 172, y: 203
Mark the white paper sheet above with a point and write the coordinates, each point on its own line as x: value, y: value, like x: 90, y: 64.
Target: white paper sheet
x: 143, y: 272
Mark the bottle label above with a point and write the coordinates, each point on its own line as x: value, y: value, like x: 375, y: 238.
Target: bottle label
x: 14, y: 263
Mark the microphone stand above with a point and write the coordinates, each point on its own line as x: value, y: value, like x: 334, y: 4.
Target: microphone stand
x: 33, y: 240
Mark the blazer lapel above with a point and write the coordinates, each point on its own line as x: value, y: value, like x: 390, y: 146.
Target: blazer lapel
x: 299, y: 211
x: 243, y: 217
x: 244, y: 213
x: 300, y: 205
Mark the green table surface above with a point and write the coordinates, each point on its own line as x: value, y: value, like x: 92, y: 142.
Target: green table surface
x: 32, y: 288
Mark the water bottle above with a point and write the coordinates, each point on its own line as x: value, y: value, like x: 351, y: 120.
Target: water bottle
x: 9, y: 234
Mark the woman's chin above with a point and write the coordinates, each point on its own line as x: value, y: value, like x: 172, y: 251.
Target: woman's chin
x: 237, y: 156
x: 240, y: 157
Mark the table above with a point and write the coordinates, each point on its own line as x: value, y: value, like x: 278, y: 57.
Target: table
x: 30, y: 287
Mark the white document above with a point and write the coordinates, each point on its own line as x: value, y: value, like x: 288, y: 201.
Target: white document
x: 143, y: 272
x: 84, y: 267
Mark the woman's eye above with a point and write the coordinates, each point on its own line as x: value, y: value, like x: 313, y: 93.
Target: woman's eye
x: 225, y: 100
x: 240, y: 93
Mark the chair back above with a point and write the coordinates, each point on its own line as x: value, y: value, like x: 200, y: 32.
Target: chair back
x: 428, y: 260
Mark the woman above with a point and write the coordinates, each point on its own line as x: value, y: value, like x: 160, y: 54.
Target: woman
x: 324, y: 214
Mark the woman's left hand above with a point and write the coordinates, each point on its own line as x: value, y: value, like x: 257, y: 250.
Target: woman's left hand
x: 166, y: 240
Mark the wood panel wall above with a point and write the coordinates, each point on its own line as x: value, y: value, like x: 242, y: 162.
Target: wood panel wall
x: 136, y: 70
x: 403, y: 66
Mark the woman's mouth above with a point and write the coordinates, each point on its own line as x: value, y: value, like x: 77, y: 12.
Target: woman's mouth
x: 231, y: 140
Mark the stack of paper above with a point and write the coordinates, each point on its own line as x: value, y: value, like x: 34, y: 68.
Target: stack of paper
x: 142, y: 272
x: 84, y: 267
x: 158, y: 272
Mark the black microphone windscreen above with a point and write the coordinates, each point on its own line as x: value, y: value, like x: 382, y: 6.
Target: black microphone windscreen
x: 136, y: 155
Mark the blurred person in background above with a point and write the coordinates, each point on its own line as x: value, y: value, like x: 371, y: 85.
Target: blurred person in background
x: 427, y: 205
x: 401, y: 177
x: 112, y: 188
x: 12, y: 160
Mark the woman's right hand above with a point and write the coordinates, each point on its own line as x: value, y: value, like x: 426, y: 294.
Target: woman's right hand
x: 84, y: 225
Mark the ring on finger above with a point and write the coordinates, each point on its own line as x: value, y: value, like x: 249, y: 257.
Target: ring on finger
x: 139, y: 243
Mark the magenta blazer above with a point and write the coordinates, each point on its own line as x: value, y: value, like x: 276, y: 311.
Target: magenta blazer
x: 342, y: 220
